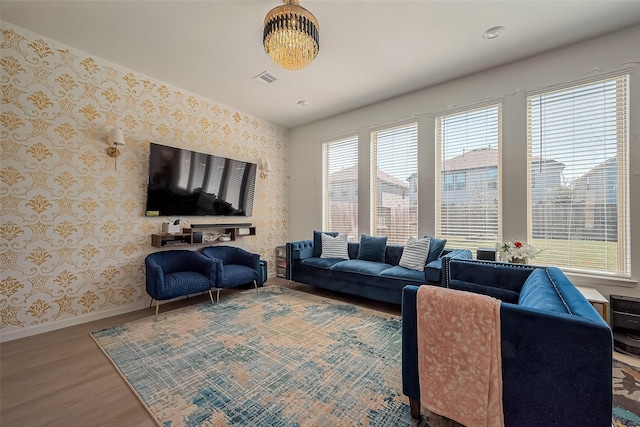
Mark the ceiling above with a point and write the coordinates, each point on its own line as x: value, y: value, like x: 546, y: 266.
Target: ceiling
x: 369, y: 50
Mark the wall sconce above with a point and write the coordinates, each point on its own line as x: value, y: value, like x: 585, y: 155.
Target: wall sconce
x: 116, y: 138
x: 266, y: 168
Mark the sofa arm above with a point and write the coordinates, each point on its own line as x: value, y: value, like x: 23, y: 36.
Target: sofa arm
x: 205, y: 265
x: 433, y: 270
x: 410, y: 380
x: 300, y: 250
x: 556, y: 368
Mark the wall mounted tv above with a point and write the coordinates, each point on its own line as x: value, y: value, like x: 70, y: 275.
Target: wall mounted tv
x: 187, y: 183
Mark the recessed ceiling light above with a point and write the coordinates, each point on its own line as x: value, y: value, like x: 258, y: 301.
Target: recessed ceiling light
x: 303, y: 103
x: 493, y: 32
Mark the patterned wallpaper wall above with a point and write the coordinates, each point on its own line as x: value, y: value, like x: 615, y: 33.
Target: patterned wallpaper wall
x: 73, y: 231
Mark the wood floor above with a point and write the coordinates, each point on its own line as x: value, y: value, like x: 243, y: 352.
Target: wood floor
x: 61, y: 378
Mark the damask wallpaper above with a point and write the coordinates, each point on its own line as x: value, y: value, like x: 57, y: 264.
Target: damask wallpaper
x: 73, y: 231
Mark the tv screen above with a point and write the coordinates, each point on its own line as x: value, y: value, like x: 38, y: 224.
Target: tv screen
x: 188, y: 183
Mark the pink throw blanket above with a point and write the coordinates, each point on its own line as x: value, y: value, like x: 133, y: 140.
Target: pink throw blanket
x: 459, y: 357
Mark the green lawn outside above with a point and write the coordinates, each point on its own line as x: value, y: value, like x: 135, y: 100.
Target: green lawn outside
x: 586, y: 254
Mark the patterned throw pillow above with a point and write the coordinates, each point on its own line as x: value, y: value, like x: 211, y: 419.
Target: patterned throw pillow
x: 335, y: 247
x: 415, y: 253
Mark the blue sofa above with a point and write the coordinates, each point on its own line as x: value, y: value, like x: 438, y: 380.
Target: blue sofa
x: 382, y: 281
x: 556, y: 349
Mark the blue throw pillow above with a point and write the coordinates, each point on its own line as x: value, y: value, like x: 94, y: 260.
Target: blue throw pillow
x: 317, y: 241
x: 436, y: 246
x: 372, y: 248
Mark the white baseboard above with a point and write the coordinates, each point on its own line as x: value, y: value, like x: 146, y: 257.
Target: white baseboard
x: 40, y: 329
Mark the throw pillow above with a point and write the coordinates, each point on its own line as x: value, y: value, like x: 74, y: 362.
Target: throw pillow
x: 436, y: 246
x: 334, y: 247
x: 415, y: 253
x: 317, y: 241
x: 372, y: 248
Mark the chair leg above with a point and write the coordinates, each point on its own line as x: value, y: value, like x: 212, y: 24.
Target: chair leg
x: 151, y: 303
x: 255, y: 284
x: 211, y: 296
x: 218, y: 296
x: 157, y: 307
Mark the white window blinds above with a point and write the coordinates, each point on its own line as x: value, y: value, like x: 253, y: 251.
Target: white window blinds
x: 468, y: 197
x: 394, y: 183
x: 340, y: 187
x: 578, y: 176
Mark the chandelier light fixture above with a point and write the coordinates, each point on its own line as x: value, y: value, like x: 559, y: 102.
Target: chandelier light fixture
x: 291, y: 35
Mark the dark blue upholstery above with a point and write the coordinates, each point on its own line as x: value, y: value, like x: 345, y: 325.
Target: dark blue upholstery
x: 236, y: 266
x: 175, y: 273
x: 436, y: 246
x: 372, y: 248
x: 381, y: 281
x: 556, y: 366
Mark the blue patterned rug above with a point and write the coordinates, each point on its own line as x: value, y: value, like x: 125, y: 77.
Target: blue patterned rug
x: 282, y: 357
x: 279, y: 357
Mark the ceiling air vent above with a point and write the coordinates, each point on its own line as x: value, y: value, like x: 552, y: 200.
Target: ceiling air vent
x: 265, y: 78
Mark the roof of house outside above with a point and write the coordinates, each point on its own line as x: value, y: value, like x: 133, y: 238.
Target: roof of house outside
x: 350, y: 173
x: 482, y: 158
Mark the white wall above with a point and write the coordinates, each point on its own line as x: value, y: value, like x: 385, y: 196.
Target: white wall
x: 508, y: 84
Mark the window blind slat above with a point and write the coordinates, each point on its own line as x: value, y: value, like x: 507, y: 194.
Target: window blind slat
x: 468, y: 178
x: 340, y: 187
x: 578, y: 192
x: 394, y: 181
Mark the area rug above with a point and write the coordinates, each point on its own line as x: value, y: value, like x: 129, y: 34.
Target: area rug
x: 626, y: 395
x: 278, y: 357
x: 282, y: 357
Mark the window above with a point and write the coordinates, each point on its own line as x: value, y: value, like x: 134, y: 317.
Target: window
x: 394, y: 183
x: 454, y: 181
x: 492, y: 178
x: 340, y: 187
x: 468, y: 203
x: 578, y: 159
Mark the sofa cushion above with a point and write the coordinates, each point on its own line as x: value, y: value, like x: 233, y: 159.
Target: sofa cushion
x: 415, y: 253
x: 398, y: 272
x: 324, y: 263
x: 317, y: 241
x: 334, y: 247
x: 538, y: 292
x: 436, y: 246
x: 372, y: 248
x: 502, y: 294
x: 369, y: 268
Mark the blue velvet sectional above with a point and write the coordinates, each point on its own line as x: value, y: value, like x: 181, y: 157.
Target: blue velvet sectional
x: 556, y: 349
x: 382, y: 281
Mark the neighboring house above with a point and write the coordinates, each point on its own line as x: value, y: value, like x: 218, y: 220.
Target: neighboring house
x: 595, y: 194
x: 395, y: 217
x: 343, y: 187
x: 471, y: 178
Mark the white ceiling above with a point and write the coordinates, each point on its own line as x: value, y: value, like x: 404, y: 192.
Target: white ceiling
x: 369, y: 50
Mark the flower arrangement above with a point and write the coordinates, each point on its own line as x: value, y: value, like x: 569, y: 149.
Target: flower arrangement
x: 518, y: 251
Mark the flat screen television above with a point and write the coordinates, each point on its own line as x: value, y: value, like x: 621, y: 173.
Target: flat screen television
x: 187, y: 183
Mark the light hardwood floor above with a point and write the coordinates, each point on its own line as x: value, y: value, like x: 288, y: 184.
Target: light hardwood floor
x: 61, y: 378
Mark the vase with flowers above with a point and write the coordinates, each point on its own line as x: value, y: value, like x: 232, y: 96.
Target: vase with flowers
x: 518, y: 252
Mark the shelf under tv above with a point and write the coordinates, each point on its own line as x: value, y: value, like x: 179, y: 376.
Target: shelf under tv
x: 196, y: 235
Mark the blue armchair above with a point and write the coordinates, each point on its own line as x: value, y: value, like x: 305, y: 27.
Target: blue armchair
x: 175, y: 273
x: 235, y: 267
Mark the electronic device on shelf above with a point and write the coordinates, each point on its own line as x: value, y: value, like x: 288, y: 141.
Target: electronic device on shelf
x: 188, y: 183
x: 625, y: 321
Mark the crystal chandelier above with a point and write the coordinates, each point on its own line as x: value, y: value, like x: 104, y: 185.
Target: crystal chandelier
x: 291, y: 35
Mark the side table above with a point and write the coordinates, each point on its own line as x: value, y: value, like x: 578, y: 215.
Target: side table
x: 596, y: 299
